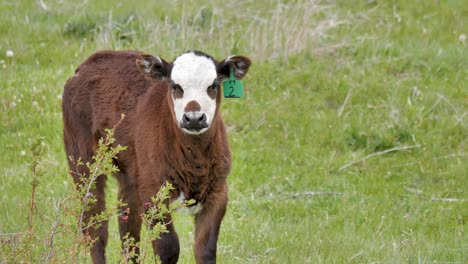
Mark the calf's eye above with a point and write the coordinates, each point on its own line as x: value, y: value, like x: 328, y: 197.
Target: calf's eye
x: 213, y: 87
x: 177, y: 90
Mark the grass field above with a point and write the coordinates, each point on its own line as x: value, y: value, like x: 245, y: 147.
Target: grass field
x: 349, y: 147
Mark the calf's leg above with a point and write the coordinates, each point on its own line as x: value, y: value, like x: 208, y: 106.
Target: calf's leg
x: 79, y: 146
x: 97, y: 231
x: 130, y: 221
x: 167, y: 247
x: 207, y: 225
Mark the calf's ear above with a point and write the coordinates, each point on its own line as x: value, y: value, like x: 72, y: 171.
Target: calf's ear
x: 240, y: 64
x: 152, y: 66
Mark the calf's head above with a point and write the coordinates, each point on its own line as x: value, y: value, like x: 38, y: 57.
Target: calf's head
x: 195, y: 85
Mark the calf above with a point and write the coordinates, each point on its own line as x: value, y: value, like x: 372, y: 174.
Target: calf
x: 173, y: 132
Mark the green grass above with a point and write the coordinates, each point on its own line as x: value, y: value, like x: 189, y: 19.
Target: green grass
x: 332, y: 82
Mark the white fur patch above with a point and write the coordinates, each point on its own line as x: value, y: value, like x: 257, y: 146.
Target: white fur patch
x: 195, y: 209
x: 194, y: 74
x: 228, y: 59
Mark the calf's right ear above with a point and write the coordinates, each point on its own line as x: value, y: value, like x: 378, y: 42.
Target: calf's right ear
x: 152, y: 66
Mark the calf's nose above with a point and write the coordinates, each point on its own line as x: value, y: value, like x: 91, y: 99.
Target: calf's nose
x: 194, y: 120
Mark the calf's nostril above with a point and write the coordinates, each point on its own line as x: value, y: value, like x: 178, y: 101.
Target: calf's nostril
x: 185, y: 118
x: 202, y: 118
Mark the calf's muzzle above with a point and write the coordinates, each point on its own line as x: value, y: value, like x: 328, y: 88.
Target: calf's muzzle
x: 194, y: 120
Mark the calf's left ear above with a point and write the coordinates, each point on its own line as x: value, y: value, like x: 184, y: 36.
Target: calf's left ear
x: 240, y: 64
x: 152, y: 66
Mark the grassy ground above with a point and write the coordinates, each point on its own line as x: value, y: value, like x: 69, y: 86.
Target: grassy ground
x: 350, y: 146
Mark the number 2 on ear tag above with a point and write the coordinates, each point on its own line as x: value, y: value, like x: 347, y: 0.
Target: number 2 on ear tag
x: 233, y: 88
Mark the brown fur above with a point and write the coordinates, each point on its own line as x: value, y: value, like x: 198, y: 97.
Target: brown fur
x: 109, y: 84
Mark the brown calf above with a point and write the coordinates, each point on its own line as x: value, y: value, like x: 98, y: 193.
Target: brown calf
x: 173, y: 132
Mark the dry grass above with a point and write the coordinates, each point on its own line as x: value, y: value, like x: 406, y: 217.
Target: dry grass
x: 264, y: 30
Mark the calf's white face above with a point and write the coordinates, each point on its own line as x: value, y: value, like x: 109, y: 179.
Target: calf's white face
x: 192, y: 76
x: 195, y: 81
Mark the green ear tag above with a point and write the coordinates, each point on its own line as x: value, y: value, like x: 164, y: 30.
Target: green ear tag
x: 233, y: 88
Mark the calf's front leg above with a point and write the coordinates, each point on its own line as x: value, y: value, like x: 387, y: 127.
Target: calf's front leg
x: 207, y: 225
x: 167, y: 247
